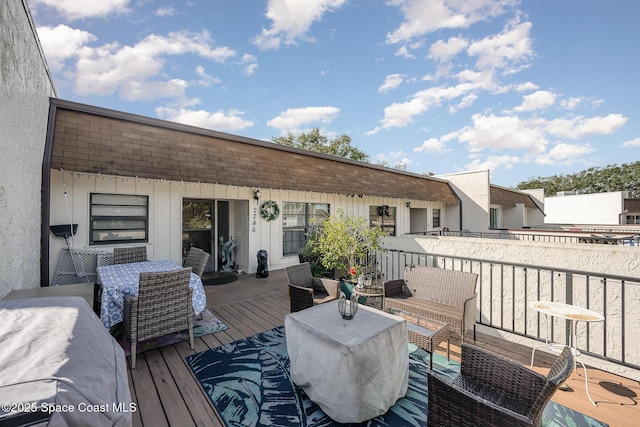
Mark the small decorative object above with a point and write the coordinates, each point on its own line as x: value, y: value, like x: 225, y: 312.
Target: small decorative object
x: 384, y: 210
x: 347, y: 307
x: 269, y: 210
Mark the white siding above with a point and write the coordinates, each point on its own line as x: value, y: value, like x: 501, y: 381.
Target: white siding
x: 165, y: 214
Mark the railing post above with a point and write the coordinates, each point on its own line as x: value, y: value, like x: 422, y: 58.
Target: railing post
x: 569, y: 300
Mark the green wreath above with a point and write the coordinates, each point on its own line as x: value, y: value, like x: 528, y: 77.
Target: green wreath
x: 269, y: 210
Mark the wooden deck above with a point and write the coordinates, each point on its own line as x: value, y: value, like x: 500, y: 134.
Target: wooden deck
x: 166, y: 392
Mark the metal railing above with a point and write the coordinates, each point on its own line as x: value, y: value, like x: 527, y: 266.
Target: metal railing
x: 505, y: 290
x: 631, y: 240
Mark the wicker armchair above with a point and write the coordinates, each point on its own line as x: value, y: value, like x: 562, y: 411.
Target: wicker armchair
x: 163, y: 305
x: 306, y: 291
x: 494, y: 391
x: 197, y: 260
x: 132, y: 254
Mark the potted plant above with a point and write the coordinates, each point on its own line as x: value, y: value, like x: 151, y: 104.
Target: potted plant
x: 343, y: 243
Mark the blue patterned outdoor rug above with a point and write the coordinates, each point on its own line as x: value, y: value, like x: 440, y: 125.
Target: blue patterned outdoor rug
x: 206, y: 323
x: 248, y: 382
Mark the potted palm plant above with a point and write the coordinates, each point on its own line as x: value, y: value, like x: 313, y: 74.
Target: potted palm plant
x: 344, y: 243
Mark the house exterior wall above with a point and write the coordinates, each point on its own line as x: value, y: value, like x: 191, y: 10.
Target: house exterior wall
x: 512, y: 216
x: 535, y: 217
x: 25, y: 88
x: 473, y: 190
x: 600, y: 209
x: 69, y: 201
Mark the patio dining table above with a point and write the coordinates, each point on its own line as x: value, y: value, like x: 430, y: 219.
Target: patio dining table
x: 119, y: 280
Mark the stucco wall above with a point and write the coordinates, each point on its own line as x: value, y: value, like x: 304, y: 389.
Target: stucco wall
x: 601, y: 208
x: 473, y: 190
x: 25, y: 88
x: 610, y: 259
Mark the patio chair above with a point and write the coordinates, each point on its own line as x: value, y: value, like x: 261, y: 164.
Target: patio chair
x: 131, y: 254
x: 306, y: 291
x: 163, y: 306
x: 197, y: 260
x: 494, y: 391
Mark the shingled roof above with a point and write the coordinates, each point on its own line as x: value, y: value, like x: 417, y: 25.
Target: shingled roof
x: 508, y: 197
x: 95, y: 140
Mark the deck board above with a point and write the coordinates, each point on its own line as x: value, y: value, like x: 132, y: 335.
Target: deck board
x: 164, y: 387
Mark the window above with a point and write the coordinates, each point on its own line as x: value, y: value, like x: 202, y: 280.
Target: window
x: 493, y: 218
x: 118, y: 218
x: 436, y: 218
x: 383, y: 216
x: 297, y: 219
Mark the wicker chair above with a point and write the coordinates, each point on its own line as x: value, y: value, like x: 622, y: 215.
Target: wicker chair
x: 306, y: 291
x: 494, y: 391
x: 163, y: 305
x: 132, y: 254
x: 197, y: 260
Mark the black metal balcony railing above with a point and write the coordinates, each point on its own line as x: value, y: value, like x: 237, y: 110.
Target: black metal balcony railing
x: 631, y: 238
x: 506, y: 289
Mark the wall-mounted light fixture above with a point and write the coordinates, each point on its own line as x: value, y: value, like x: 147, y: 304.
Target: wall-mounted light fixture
x: 408, y: 204
x: 256, y: 195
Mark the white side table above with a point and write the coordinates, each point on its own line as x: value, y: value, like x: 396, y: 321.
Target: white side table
x: 573, y: 314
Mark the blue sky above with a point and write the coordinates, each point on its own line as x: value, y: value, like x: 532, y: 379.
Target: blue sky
x: 522, y: 88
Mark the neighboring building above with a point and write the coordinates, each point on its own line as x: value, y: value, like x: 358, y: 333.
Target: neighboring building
x: 25, y: 88
x: 515, y: 209
x: 613, y: 208
x: 487, y: 206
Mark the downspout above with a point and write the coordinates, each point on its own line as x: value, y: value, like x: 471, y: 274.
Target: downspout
x: 45, y: 215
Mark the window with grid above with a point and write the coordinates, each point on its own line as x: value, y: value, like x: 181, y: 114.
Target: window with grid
x: 384, y: 217
x: 436, y: 218
x: 297, y: 220
x: 118, y: 218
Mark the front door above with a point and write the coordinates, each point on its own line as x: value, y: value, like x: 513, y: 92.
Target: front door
x: 197, y: 229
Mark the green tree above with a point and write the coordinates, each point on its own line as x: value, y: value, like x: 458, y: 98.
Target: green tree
x: 343, y: 241
x: 399, y: 166
x: 625, y: 177
x: 315, y: 141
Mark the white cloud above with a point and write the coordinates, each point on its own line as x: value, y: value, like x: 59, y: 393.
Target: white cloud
x: 291, y: 20
x: 536, y: 101
x: 504, y: 133
x: 579, y: 127
x: 400, y: 114
x: 493, y: 163
x: 250, y: 64
x: 205, y: 79
x: 631, y: 143
x: 80, y: 9
x: 134, y: 72
x: 443, y: 51
x: 431, y: 145
x: 61, y: 43
x: 504, y: 50
x: 425, y: 16
x: 527, y: 86
x: 227, y: 121
x: 392, y: 81
x: 165, y: 11
x: 572, y: 103
x: 293, y: 118
x: 564, y: 153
